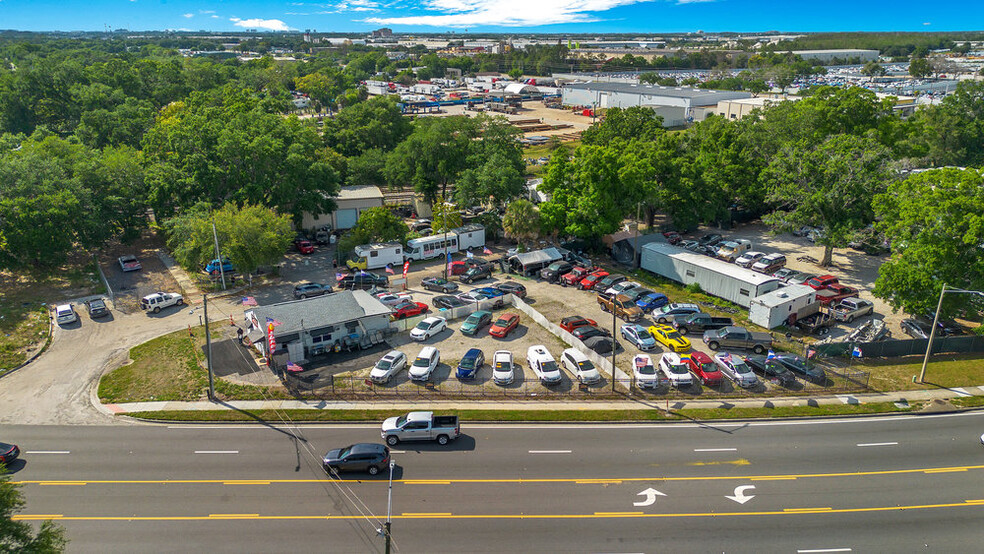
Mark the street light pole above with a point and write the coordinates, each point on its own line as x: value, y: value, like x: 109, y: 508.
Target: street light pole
x: 936, y: 319
x: 614, y: 334
x: 389, y: 507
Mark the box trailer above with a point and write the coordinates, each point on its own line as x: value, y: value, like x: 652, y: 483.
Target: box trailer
x: 470, y: 236
x: 376, y: 256
x: 783, y: 306
x: 715, y: 277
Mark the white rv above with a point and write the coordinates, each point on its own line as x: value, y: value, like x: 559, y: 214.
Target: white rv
x: 433, y: 246
x: 376, y: 256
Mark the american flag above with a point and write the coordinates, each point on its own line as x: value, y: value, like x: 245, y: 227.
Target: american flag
x: 249, y: 301
x: 273, y: 321
x: 727, y: 358
x: 338, y: 276
x: 389, y: 269
x: 291, y: 366
x: 469, y: 254
x: 810, y: 353
x: 486, y: 251
x: 771, y: 356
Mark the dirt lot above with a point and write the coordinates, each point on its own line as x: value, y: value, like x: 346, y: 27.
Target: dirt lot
x: 536, y: 110
x: 129, y: 287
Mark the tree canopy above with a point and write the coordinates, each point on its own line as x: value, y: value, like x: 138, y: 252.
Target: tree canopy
x: 19, y: 536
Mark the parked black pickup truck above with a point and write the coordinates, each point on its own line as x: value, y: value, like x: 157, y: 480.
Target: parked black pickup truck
x: 699, y: 322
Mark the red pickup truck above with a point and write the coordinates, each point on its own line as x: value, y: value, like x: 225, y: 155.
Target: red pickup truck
x: 574, y: 277
x: 834, y: 293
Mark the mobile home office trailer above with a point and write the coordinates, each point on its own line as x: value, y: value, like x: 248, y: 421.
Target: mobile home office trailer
x: 715, y: 277
x: 775, y: 308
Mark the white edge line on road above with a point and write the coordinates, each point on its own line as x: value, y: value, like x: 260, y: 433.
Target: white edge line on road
x: 715, y: 450
x: 824, y: 550
x: 862, y: 444
x: 216, y: 452
x: 47, y: 452
x: 550, y: 451
x: 398, y: 451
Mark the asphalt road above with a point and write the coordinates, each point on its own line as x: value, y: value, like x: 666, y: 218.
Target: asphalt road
x: 875, y: 484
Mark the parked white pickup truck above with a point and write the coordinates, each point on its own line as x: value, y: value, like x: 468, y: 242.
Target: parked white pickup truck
x: 159, y: 300
x: 420, y: 426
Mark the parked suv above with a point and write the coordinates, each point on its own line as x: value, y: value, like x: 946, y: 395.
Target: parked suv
x: 306, y: 290
x: 425, y: 364
x: 668, y: 313
x: 477, y: 273
x: 769, y: 264
x: 543, y: 365
x: 552, y: 272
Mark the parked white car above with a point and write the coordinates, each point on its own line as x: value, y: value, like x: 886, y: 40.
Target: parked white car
x: 734, y: 368
x: 619, y: 288
x: 65, y: 314
x: 675, y: 370
x: 393, y: 298
x: 425, y: 364
x: 543, y: 365
x: 749, y: 258
x: 388, y: 366
x: 644, y: 371
x: 428, y: 328
x: 502, y: 367
x: 577, y: 363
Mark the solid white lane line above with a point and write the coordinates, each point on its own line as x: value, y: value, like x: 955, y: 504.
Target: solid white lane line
x: 216, y: 452
x: 862, y: 444
x: 47, y: 452
x: 824, y: 550
x: 398, y: 451
x: 715, y: 450
x: 550, y: 451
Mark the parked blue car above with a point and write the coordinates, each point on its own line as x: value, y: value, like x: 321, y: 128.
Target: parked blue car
x: 490, y: 292
x: 213, y: 266
x: 652, y: 301
x: 469, y: 365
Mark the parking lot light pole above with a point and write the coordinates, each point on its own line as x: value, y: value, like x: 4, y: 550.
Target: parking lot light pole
x: 936, y: 319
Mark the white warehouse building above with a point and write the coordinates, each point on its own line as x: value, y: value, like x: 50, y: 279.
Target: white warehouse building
x: 677, y: 105
x: 715, y: 277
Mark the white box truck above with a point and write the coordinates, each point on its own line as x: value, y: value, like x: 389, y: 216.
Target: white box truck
x: 376, y: 256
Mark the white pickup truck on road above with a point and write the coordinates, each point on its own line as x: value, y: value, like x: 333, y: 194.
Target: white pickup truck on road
x: 420, y: 426
x: 159, y: 300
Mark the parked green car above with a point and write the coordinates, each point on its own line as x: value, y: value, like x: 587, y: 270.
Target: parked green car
x: 476, y: 321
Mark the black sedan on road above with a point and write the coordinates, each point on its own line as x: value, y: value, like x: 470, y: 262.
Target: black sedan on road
x: 770, y: 369
x: 366, y: 456
x: 799, y: 366
x: 8, y: 453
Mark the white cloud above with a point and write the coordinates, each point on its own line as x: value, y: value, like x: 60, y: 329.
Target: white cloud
x: 506, y: 13
x: 269, y: 24
x: 188, y: 15
x: 205, y: 12
x: 215, y: 16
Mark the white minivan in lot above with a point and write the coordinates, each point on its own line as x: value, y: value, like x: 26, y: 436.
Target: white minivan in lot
x: 425, y: 364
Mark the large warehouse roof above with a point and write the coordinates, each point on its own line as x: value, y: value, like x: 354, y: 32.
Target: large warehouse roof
x: 673, y: 92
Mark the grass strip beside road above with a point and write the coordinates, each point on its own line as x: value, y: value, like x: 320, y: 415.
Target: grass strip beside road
x: 641, y: 415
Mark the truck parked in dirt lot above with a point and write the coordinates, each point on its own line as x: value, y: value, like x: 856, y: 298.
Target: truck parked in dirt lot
x: 420, y: 426
x: 849, y: 309
x: 160, y: 300
x: 738, y: 337
x: 700, y: 322
x: 621, y: 305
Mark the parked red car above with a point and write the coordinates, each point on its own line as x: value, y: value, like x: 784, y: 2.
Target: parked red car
x: 592, y: 279
x: 672, y: 237
x: 504, y: 325
x: 835, y: 293
x: 822, y: 281
x: 304, y: 246
x: 575, y: 276
x: 407, y: 309
x: 573, y: 322
x: 458, y: 268
x: 704, y: 368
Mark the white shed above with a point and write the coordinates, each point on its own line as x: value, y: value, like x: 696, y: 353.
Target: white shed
x: 715, y: 277
x: 773, y: 309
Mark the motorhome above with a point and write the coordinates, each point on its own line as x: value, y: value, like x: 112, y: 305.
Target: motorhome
x: 376, y: 256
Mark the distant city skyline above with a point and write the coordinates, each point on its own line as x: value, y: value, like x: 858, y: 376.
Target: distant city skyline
x: 506, y: 16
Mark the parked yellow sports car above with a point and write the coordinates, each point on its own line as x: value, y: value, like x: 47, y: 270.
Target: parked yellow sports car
x: 670, y: 338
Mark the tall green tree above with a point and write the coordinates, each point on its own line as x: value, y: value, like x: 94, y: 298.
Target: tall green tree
x: 935, y: 222
x: 920, y: 68
x: 376, y: 224
x: 522, y: 221
x: 830, y: 186
x: 375, y: 124
x: 434, y: 155
x: 635, y: 123
x: 19, y: 536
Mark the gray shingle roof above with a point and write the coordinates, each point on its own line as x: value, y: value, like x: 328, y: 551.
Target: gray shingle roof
x: 321, y: 311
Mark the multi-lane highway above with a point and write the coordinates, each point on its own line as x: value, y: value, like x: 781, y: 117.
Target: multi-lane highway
x: 879, y: 484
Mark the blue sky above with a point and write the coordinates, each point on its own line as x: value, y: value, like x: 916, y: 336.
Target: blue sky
x: 552, y: 16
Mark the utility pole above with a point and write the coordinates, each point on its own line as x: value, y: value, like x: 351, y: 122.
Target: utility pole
x: 218, y: 256
x: 389, y: 508
x: 613, y: 343
x: 932, y: 335
x: 208, y: 351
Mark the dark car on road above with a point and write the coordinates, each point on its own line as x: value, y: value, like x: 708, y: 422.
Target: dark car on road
x: 366, y: 456
x: 448, y: 302
x: 307, y: 290
x: 97, y: 307
x: 438, y: 284
x: 801, y: 367
x: 770, y: 369
x: 512, y: 287
x: 363, y: 280
x: 8, y: 453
